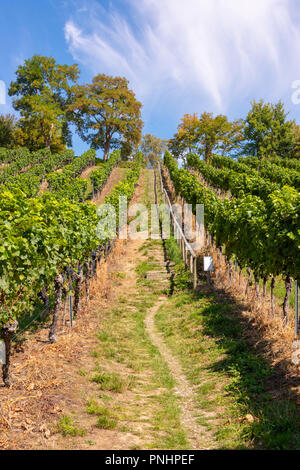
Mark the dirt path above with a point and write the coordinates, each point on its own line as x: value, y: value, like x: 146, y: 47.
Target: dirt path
x: 86, y: 173
x: 183, y: 388
x: 110, y: 382
x: 147, y: 366
x: 44, y: 185
x: 116, y: 176
x: 157, y: 410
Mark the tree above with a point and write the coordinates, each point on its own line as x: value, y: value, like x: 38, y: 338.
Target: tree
x: 217, y: 134
x: 267, y: 131
x: 185, y: 139
x: 107, y: 114
x: 7, y: 129
x: 296, y: 150
x: 27, y: 134
x: 153, y: 148
x: 43, y: 90
x: 206, y: 135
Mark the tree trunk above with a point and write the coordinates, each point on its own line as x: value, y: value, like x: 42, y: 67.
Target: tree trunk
x: 207, y: 153
x: 7, y: 332
x: 49, y: 139
x: 106, y: 148
x: 58, y: 286
x: 288, y: 290
x: 78, y: 278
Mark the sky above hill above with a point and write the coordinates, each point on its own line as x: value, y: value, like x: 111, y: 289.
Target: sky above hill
x: 179, y: 56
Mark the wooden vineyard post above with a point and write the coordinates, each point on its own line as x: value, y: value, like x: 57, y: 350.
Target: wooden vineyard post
x: 188, y: 255
x: 78, y: 278
x: 195, y: 280
x: 296, y: 309
x: 235, y: 268
x: 58, y: 282
x: 191, y: 262
x: 185, y: 255
x: 272, y: 296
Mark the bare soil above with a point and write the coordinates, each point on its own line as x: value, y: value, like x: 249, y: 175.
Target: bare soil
x: 116, y: 176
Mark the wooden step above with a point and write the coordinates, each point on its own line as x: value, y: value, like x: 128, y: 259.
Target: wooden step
x: 157, y: 275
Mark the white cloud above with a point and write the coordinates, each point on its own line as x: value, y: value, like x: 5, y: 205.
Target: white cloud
x: 2, y: 93
x: 212, y: 51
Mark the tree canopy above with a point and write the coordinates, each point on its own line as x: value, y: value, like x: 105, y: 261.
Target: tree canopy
x: 205, y: 135
x: 107, y: 114
x: 42, y: 92
x: 153, y: 148
x: 7, y: 129
x: 267, y: 131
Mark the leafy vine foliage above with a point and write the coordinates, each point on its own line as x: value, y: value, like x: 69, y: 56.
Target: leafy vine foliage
x: 262, y: 232
x: 52, y: 236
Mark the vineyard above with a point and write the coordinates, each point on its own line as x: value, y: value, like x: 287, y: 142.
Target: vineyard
x: 150, y: 229
x: 49, y: 242
x: 254, y: 219
x: 57, y: 267
x: 126, y: 321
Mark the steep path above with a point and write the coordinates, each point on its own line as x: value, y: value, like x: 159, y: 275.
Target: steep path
x: 149, y: 365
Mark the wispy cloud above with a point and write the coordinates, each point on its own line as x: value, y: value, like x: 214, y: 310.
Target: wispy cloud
x: 196, y: 51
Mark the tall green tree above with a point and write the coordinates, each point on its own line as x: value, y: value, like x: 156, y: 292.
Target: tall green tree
x: 185, y: 139
x: 267, y: 131
x: 153, y: 148
x: 107, y: 114
x: 8, y: 125
x: 206, y: 135
x: 42, y: 92
x: 296, y: 150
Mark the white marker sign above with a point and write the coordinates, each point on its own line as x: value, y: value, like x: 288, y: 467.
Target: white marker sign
x: 208, y: 263
x: 2, y: 353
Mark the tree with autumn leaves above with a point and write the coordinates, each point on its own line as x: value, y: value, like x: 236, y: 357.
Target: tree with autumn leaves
x: 265, y: 132
x: 206, y: 135
x: 268, y: 132
x: 48, y: 97
x: 107, y: 114
x: 42, y: 93
x: 153, y: 148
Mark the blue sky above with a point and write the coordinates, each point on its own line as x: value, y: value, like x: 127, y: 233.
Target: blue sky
x: 179, y: 56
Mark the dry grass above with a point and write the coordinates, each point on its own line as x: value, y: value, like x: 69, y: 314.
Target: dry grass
x: 117, y: 175
x: 46, y: 378
x: 269, y: 328
x: 86, y: 173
